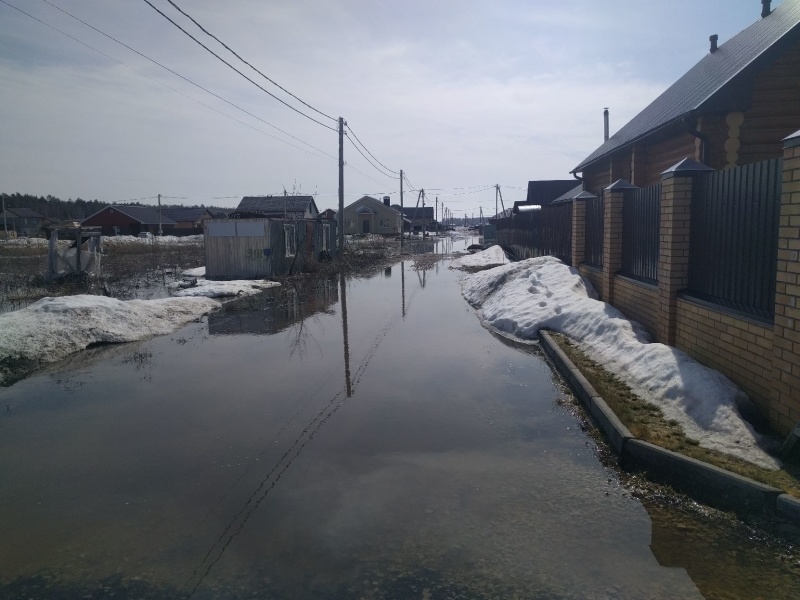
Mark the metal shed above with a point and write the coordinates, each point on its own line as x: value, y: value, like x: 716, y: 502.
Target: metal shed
x: 259, y: 248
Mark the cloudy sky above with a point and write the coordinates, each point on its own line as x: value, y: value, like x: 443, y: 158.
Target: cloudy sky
x: 460, y: 94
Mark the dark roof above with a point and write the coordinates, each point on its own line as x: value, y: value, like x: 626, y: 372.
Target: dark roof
x: 714, y: 83
x: 274, y: 205
x: 544, y: 192
x: 24, y: 213
x: 569, y: 195
x: 412, y: 212
x: 185, y: 213
x: 146, y: 215
x: 375, y: 200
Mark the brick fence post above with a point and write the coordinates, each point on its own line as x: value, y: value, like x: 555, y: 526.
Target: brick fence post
x: 578, y: 231
x: 673, y: 250
x: 784, y: 412
x: 612, y: 235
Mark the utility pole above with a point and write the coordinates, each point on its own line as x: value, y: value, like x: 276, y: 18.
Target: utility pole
x: 402, y: 215
x: 423, y: 215
x: 496, y: 193
x: 341, y: 184
x: 436, y: 215
x: 159, y: 215
x: 5, y: 223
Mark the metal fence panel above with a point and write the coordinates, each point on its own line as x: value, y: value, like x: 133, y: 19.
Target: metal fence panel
x: 641, y: 220
x: 594, y: 232
x: 555, y: 225
x: 734, y: 237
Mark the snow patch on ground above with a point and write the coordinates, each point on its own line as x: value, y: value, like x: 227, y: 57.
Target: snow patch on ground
x: 542, y: 293
x: 222, y: 289
x: 197, y: 272
x: 490, y: 257
x: 122, y: 240
x: 53, y: 328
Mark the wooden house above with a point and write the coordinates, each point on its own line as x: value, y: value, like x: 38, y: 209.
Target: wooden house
x: 276, y: 207
x: 415, y: 217
x: 188, y: 220
x: 24, y: 221
x: 328, y: 214
x: 370, y: 215
x: 260, y: 248
x: 732, y: 108
x: 130, y: 220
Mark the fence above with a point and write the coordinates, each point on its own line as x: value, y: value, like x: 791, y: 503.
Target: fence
x: 641, y: 218
x: 734, y: 237
x: 545, y: 232
x: 594, y: 232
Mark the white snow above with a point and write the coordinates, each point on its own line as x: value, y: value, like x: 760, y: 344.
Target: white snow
x: 197, y: 272
x: 542, y: 293
x: 122, y: 240
x: 222, y: 289
x: 53, y: 328
x: 487, y: 258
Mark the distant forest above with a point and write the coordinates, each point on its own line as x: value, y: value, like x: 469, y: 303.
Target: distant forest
x: 56, y: 209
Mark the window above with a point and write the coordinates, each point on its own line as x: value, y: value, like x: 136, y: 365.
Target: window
x: 289, y: 240
x: 385, y: 223
x: 351, y: 223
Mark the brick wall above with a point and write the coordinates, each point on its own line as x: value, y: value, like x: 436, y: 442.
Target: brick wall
x: 738, y: 348
x: 637, y: 301
x: 595, y: 276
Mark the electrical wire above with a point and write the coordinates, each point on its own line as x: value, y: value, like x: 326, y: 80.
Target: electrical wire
x: 368, y: 160
x: 229, y: 49
x: 367, y: 151
x: 186, y: 79
x: 210, y: 51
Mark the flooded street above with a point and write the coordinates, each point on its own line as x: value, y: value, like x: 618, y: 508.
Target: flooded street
x: 360, y: 438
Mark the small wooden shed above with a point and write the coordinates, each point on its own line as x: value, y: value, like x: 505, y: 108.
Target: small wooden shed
x: 259, y: 248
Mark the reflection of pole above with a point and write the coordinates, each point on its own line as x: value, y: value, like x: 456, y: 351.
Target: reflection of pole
x: 403, y: 285
x: 344, y: 335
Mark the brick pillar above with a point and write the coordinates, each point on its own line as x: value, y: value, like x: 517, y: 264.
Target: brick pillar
x: 612, y: 235
x: 784, y: 412
x: 673, y: 252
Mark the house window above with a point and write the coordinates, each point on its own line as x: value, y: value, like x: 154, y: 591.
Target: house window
x: 326, y: 233
x: 385, y: 223
x: 289, y: 240
x: 351, y: 223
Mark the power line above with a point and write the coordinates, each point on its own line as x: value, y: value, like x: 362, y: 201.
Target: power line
x: 367, y: 159
x: 210, y: 51
x: 186, y: 79
x: 370, y: 153
x: 229, y: 49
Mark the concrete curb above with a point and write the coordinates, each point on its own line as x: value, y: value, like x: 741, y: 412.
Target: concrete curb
x: 704, y: 482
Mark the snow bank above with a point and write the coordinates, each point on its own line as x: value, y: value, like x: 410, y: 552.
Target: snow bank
x: 543, y: 293
x: 222, y: 289
x: 122, y: 240
x: 53, y: 328
x: 490, y: 257
x: 197, y: 272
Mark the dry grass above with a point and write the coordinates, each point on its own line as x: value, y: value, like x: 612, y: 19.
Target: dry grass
x: 646, y: 422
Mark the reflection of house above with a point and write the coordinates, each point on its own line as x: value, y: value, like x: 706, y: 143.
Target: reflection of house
x: 24, y: 221
x: 129, y: 220
x: 257, y: 248
x: 732, y: 108
x: 369, y: 215
x: 276, y: 207
x: 188, y: 220
x: 283, y: 307
x: 416, y: 216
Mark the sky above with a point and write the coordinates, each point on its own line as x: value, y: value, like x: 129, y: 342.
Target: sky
x: 459, y: 94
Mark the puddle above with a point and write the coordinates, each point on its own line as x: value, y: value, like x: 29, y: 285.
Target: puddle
x: 361, y: 438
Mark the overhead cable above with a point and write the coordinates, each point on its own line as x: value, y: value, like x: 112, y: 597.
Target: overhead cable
x: 377, y: 168
x: 370, y: 153
x: 210, y: 51
x: 229, y: 49
x: 186, y: 79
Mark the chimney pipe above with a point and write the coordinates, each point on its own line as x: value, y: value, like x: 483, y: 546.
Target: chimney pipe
x: 605, y: 124
x: 713, y: 39
x: 765, y: 9
x: 387, y: 200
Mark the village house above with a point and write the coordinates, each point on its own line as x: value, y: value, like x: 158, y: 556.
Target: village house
x: 416, y: 217
x: 370, y: 215
x: 24, y: 221
x: 276, y: 207
x: 188, y: 220
x: 130, y: 220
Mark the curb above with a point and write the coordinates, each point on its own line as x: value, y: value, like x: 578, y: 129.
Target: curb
x: 704, y: 482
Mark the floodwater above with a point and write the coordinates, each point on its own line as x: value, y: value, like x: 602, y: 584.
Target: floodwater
x: 361, y: 438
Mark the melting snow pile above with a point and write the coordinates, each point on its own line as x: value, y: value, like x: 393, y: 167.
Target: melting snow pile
x: 488, y: 258
x: 222, y: 289
x: 542, y: 293
x: 52, y: 328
